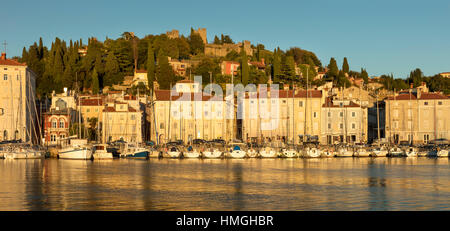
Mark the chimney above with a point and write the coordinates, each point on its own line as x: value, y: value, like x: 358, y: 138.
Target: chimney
x: 262, y: 61
x: 411, y: 86
x: 3, y: 56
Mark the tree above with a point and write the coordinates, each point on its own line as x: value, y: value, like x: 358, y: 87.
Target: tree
x: 415, y: 77
x: 342, y: 81
x: 288, y: 68
x: 364, y: 75
x: 345, y: 67
x: 217, y: 40
x: 276, y: 66
x: 206, y: 66
x: 165, y: 72
x: 95, y: 84
x: 333, y: 70
x: 150, y: 66
x: 244, y: 67
x: 112, y: 70
x: 196, y: 43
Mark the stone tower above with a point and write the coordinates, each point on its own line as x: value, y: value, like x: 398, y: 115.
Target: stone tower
x: 202, y: 33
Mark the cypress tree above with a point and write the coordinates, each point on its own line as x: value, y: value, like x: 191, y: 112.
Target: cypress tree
x: 150, y: 66
x: 95, y: 84
x: 165, y: 72
x: 364, y: 75
x: 276, y: 66
x: 333, y: 70
x: 345, y: 67
x: 244, y: 67
x: 111, y: 69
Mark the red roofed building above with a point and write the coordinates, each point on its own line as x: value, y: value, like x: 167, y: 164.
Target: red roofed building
x: 229, y: 67
x: 417, y: 116
x: 343, y: 121
x: 18, y: 117
x: 122, y: 122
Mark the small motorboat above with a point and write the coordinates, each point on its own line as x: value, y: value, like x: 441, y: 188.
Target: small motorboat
x: 311, y: 152
x: 379, y: 152
x: 344, y: 152
x: 268, y: 152
x: 237, y: 151
x: 396, y: 152
x: 411, y: 152
x: 101, y: 152
x: 173, y: 152
x: 192, y: 152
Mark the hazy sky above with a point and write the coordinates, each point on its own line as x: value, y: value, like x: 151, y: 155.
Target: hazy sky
x: 382, y: 36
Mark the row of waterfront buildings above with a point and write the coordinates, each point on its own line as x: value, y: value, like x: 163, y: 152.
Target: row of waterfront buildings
x: 324, y: 114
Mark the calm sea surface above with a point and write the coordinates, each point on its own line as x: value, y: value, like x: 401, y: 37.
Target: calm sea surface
x: 249, y: 184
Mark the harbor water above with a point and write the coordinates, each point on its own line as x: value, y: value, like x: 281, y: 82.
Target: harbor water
x: 226, y: 184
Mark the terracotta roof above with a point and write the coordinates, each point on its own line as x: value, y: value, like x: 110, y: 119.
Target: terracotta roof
x: 91, y: 102
x: 186, y: 81
x: 288, y: 94
x: 425, y: 95
x: 129, y: 97
x: 112, y: 109
x: 11, y: 62
x: 164, y: 95
x: 141, y: 71
x: 329, y: 103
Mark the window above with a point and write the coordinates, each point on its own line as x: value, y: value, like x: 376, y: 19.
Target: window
x: 300, y: 104
x: 315, y: 114
x: 329, y: 114
x: 133, y: 117
x: 88, y: 110
x: 52, y: 137
x: 341, y: 104
x: 62, y: 136
x: 341, y: 126
x: 329, y: 126
x: 425, y: 103
x: 353, y: 114
x: 5, y: 77
x: 251, y: 101
x: 440, y: 103
x: 353, y: 126
x: 161, y: 126
x: 17, y: 77
x: 341, y: 114
x: 61, y: 123
x: 284, y: 101
x: 54, y: 123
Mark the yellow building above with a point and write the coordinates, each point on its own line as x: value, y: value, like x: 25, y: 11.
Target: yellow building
x: 121, y: 122
x: 287, y: 117
x: 417, y: 116
x: 91, y: 107
x: 17, y: 101
x: 343, y: 121
x: 187, y: 116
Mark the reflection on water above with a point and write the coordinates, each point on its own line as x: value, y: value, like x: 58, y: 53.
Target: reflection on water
x: 249, y: 184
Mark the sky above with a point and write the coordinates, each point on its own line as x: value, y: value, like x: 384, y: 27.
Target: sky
x: 383, y: 36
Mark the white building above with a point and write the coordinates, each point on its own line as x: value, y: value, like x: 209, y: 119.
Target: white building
x: 17, y: 101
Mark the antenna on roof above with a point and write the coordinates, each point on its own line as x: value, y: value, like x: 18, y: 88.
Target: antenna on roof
x: 4, y: 44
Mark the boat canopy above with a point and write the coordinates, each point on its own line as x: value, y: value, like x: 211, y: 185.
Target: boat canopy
x: 236, y: 148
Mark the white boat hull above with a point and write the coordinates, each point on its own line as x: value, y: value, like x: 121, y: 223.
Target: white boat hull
x: 212, y: 154
x: 362, y: 153
x: 290, y: 153
x: 344, y: 153
x: 268, y: 153
x: 76, y: 154
x: 193, y: 154
x: 443, y: 153
x: 103, y: 155
x: 252, y: 153
x: 174, y: 154
x: 237, y: 154
x: 24, y: 155
x: 312, y: 153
